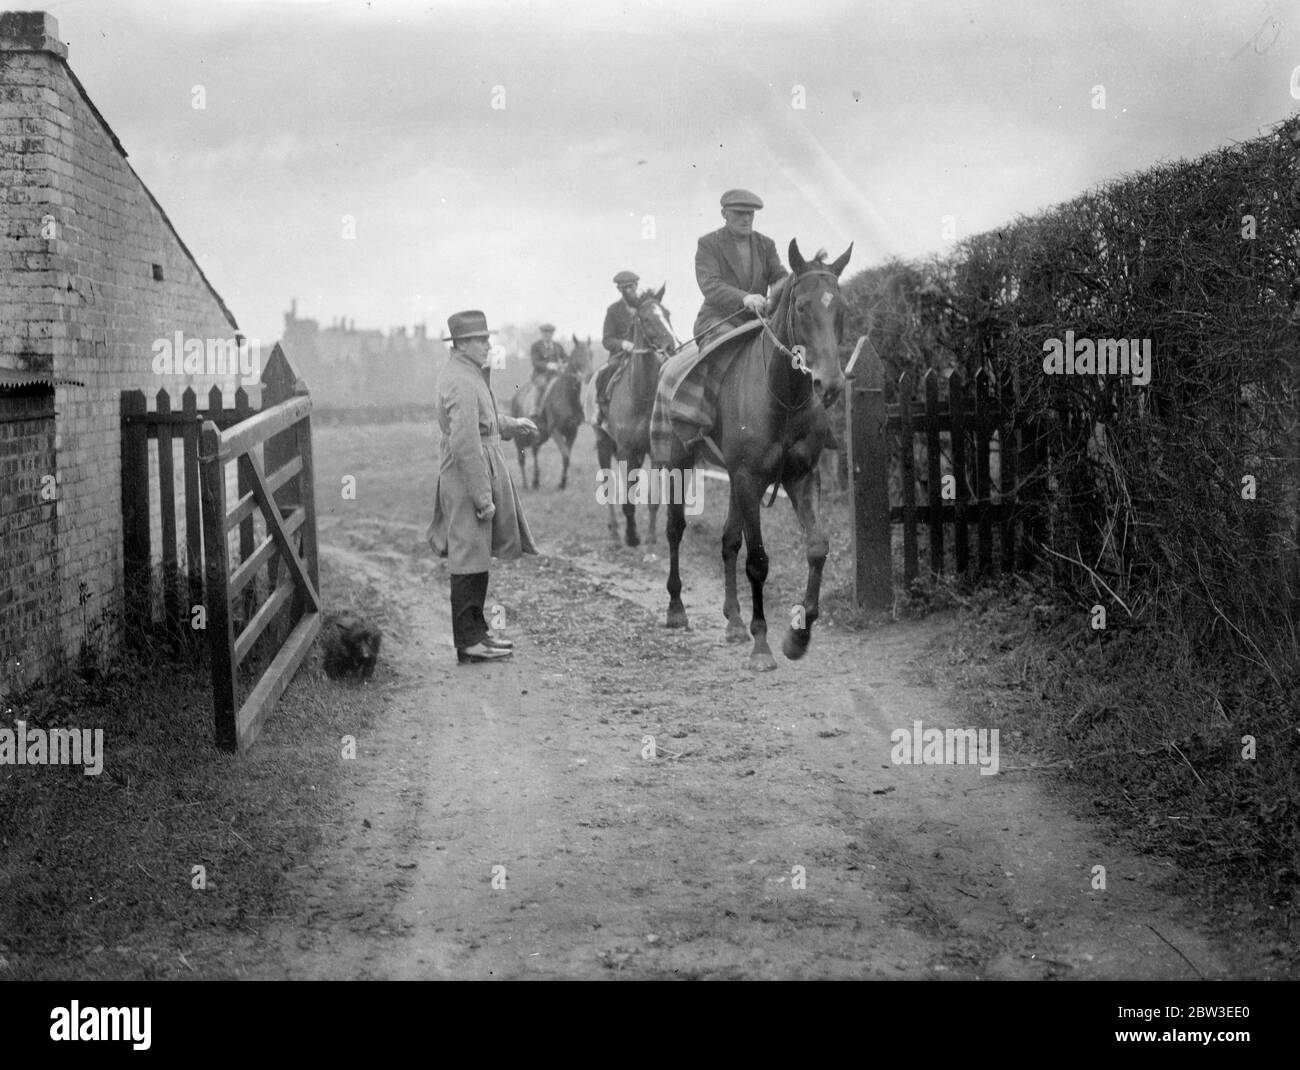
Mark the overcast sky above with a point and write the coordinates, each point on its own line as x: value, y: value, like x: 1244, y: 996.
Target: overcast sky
x: 623, y: 123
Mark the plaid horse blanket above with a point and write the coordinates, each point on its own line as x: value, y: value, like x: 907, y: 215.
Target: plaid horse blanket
x: 686, y: 400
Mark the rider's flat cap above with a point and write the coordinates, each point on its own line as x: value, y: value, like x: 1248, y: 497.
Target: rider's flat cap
x: 625, y: 277
x: 472, y: 324
x: 547, y: 327
x: 742, y: 200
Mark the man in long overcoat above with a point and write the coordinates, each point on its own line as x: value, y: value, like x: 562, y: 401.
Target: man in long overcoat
x: 735, y: 265
x: 477, y: 513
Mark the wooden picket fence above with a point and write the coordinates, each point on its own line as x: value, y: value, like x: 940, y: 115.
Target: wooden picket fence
x: 960, y: 429
x: 283, y: 495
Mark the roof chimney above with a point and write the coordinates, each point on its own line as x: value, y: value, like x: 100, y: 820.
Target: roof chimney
x: 30, y: 31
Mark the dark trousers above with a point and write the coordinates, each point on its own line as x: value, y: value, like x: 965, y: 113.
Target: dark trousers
x: 468, y: 625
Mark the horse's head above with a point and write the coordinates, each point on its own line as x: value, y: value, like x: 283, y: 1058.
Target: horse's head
x: 580, y: 357
x: 654, y: 321
x: 815, y: 318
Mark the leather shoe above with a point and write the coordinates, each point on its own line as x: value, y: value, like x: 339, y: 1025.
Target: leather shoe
x: 481, y: 652
x: 499, y: 642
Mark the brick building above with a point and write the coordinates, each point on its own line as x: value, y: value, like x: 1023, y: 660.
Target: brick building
x: 92, y: 275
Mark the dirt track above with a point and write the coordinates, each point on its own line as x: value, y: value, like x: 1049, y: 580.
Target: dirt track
x: 679, y: 865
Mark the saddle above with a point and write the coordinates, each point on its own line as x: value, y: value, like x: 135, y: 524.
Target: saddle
x: 686, y: 400
x: 711, y: 342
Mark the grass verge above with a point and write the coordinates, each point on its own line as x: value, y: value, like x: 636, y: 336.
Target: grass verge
x: 97, y: 873
x: 1155, y: 734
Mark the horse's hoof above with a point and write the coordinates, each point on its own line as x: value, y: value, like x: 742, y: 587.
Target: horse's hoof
x: 736, y: 631
x: 632, y: 540
x: 676, y: 617
x: 795, y: 644
x: 762, y: 662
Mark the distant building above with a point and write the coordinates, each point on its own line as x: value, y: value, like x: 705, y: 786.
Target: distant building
x: 344, y: 366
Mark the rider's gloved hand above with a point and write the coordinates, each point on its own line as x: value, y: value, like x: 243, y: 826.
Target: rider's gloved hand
x: 627, y: 346
x: 552, y: 367
x: 755, y: 302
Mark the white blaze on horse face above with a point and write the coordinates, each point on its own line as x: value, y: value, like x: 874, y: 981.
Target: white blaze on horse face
x: 661, y: 319
x: 827, y: 298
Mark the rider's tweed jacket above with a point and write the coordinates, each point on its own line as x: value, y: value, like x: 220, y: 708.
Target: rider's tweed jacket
x: 541, y: 355
x: 718, y: 271
x: 472, y: 472
x: 620, y: 318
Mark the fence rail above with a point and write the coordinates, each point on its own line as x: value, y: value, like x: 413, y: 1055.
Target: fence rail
x: 282, y: 493
x: 958, y: 433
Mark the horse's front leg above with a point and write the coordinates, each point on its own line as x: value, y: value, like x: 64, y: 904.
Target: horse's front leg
x: 654, y: 484
x: 565, y: 442
x: 805, y: 496
x: 748, y: 493
x: 674, y: 528
x: 632, y: 478
x: 605, y: 458
x: 731, y: 540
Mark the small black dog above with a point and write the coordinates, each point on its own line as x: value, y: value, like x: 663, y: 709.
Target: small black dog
x: 350, y: 643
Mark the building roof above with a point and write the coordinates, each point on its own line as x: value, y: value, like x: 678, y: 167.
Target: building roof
x: 37, y: 31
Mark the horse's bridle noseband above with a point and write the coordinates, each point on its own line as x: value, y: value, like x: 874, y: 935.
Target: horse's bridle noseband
x: 797, y: 353
x: 663, y: 354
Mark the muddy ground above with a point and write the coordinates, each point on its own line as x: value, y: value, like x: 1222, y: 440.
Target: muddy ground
x: 504, y: 821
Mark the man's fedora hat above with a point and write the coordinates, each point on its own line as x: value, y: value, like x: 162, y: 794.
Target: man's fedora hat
x: 472, y: 324
x: 547, y: 328
x: 742, y: 200
x: 624, y: 278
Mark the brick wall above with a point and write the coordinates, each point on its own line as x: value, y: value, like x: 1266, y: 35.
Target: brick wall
x: 80, y: 237
x: 29, y: 586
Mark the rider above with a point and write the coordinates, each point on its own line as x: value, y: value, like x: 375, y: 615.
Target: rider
x: 547, y: 355
x: 620, y: 319
x: 734, y: 266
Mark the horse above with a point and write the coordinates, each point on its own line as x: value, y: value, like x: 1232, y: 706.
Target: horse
x: 622, y: 448
x: 559, y: 414
x: 771, y: 427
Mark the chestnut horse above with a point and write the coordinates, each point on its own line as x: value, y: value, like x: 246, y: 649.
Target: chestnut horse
x: 622, y: 449
x: 771, y: 427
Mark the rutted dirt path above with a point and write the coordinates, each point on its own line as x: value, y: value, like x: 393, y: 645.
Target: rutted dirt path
x: 684, y: 864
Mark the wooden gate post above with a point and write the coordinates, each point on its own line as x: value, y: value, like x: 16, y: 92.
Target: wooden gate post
x: 871, y: 543
x: 220, y: 636
x: 135, y: 508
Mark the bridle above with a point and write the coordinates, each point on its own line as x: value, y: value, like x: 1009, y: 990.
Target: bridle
x: 659, y: 351
x: 796, y: 353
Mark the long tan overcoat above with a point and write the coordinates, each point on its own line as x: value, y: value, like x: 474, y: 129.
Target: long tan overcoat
x: 473, y: 472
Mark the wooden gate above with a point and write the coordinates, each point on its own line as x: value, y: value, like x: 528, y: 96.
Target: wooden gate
x: 284, y: 497
x: 284, y: 427
x: 977, y: 430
